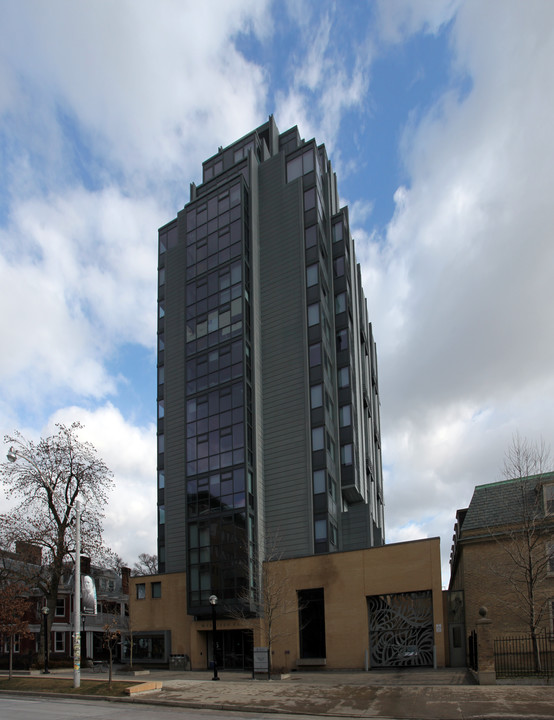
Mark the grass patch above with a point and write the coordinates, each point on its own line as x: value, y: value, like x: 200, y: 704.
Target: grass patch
x: 64, y: 686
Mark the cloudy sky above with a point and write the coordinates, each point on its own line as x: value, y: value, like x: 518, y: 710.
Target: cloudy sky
x: 436, y: 117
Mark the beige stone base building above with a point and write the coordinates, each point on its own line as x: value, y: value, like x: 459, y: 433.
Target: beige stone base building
x: 379, y: 607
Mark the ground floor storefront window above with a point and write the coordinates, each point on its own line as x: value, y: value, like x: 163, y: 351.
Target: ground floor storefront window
x: 147, y: 648
x: 234, y: 649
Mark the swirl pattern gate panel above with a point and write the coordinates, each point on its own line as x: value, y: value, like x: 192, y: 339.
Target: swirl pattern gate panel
x: 401, y: 629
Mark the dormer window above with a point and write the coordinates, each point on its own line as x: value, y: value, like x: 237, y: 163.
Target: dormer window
x: 107, y: 584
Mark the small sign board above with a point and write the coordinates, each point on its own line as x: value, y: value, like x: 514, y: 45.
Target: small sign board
x: 261, y: 659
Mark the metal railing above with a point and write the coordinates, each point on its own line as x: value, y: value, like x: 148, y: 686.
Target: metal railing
x: 524, y: 656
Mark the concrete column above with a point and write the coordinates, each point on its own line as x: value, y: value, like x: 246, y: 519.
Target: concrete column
x: 486, y: 675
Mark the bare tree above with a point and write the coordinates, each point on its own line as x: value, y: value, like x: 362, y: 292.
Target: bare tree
x: 14, y: 606
x: 111, y: 638
x: 146, y: 565
x: 47, y: 478
x: 268, y: 597
x: 525, y: 539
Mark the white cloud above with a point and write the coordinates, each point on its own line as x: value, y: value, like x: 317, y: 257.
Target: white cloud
x: 106, y: 113
x: 107, y: 110
x: 139, y: 77
x: 324, y: 83
x: 78, y: 269
x: 399, y: 19
x: 459, y: 288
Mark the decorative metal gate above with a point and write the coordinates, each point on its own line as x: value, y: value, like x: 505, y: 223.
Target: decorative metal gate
x: 401, y: 629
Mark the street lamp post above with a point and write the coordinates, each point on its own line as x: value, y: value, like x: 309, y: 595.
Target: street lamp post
x: 213, y: 603
x: 76, y: 505
x: 77, y: 600
x: 45, y: 612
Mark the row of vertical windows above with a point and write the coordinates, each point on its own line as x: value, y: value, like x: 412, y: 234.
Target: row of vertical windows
x: 214, y: 231
x: 217, y: 401
x: 201, y: 213
x: 217, y: 557
x: 316, y: 396
x: 242, y: 152
x: 214, y: 308
x: 343, y: 377
x: 217, y: 441
x: 313, y: 314
x: 320, y: 484
x: 309, y: 199
x: 315, y: 356
x: 319, y: 435
x: 168, y: 239
x: 219, y: 491
x: 317, y: 315
x: 210, y: 171
x: 224, y: 322
x: 300, y: 165
x: 212, y: 254
x: 312, y: 275
x: 345, y: 416
x: 216, y: 288
x: 342, y: 339
x: 320, y: 531
x: 215, y: 367
x: 215, y: 430
x: 346, y: 454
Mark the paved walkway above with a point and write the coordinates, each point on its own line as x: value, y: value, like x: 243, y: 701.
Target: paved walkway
x: 446, y: 694
x: 421, y: 695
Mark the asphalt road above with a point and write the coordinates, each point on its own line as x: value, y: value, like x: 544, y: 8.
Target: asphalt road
x: 24, y: 708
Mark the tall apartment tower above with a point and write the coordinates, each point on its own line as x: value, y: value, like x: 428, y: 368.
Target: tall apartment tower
x: 268, y: 402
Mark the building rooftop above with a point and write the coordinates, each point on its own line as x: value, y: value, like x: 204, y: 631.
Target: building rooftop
x: 503, y: 503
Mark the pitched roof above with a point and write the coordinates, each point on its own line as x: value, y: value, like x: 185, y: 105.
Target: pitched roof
x: 502, y: 503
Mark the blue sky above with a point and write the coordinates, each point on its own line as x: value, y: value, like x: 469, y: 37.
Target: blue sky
x: 436, y: 117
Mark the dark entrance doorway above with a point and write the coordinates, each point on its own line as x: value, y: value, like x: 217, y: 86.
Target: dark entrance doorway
x: 312, y: 623
x: 234, y: 649
x: 456, y: 628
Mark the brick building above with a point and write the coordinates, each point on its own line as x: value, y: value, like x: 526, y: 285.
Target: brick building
x: 107, y: 589
x: 378, y: 607
x: 505, y: 537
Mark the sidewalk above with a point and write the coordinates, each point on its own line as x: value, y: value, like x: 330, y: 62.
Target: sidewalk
x: 445, y: 694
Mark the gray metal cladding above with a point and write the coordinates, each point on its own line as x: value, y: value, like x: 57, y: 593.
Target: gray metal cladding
x: 284, y: 382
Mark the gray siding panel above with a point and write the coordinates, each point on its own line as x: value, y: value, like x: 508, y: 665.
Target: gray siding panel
x: 174, y: 423
x: 285, y: 415
x: 356, y: 527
